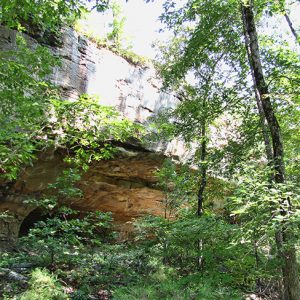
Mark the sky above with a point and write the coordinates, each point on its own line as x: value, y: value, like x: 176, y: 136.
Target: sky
x: 142, y: 24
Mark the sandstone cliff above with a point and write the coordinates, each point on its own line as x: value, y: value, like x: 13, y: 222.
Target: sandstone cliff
x: 85, y: 68
x: 125, y: 185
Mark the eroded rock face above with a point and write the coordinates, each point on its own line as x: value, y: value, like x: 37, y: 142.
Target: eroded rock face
x: 125, y: 185
x: 85, y: 68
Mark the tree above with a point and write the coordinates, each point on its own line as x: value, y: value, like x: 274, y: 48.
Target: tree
x: 25, y: 100
x: 290, y: 267
x: 117, y: 33
x: 219, y: 29
x: 47, y: 14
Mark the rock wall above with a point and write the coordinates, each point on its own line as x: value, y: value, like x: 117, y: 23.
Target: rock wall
x: 125, y: 185
x: 85, y: 68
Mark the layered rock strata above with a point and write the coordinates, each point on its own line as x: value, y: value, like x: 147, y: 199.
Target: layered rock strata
x: 125, y: 185
x: 85, y: 68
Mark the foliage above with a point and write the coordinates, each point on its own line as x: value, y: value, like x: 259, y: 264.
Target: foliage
x: 283, y: 81
x: 47, y: 14
x: 33, y: 118
x: 176, y: 246
x: 177, y: 182
x: 43, y: 286
x: 25, y: 98
x: 164, y: 265
x: 184, y: 256
x: 82, y: 253
x: 187, y: 288
x: 207, y: 38
x: 88, y: 129
x: 203, y: 38
x: 61, y: 238
x: 117, y: 25
x: 211, y: 33
x: 114, y: 40
x: 258, y: 207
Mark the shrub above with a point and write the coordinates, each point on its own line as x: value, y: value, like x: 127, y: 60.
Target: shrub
x: 43, y: 286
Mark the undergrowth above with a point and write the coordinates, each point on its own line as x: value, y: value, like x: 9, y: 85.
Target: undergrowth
x: 89, y: 264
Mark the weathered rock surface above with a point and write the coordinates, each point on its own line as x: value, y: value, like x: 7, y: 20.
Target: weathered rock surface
x: 85, y: 68
x: 125, y: 185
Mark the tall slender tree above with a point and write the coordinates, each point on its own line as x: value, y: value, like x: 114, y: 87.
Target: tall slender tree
x: 221, y: 26
x: 288, y: 254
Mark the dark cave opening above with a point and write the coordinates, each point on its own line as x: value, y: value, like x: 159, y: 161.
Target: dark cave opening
x: 35, y: 216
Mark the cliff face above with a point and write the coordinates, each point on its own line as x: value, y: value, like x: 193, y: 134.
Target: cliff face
x: 125, y: 185
x: 85, y: 68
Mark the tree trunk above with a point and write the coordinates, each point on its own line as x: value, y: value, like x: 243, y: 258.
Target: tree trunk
x: 202, y: 186
x: 291, y: 27
x: 203, y: 170
x: 287, y: 254
x: 263, y: 121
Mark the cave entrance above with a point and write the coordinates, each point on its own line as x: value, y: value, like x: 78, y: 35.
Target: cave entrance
x: 35, y: 216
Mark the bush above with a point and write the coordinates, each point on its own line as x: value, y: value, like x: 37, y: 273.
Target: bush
x: 43, y: 286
